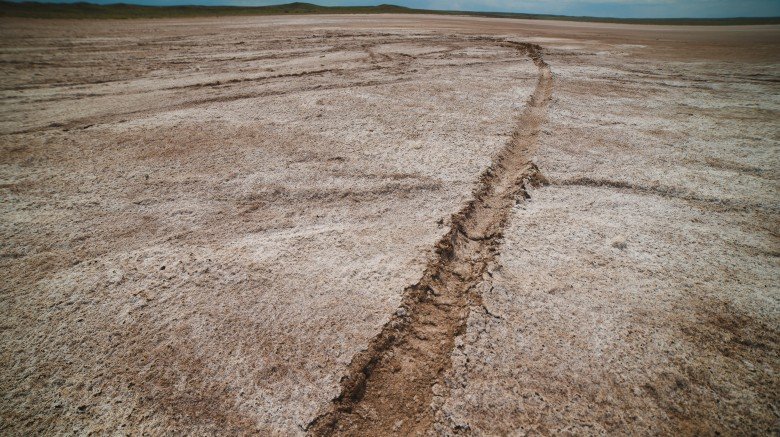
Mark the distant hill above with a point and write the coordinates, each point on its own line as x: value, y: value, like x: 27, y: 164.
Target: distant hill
x: 85, y: 10
x: 123, y: 10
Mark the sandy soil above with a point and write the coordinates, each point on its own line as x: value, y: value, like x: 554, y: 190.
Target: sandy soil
x: 388, y: 224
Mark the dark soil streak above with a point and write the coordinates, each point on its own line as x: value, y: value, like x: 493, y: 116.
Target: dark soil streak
x: 389, y: 386
x: 120, y: 116
x: 667, y: 192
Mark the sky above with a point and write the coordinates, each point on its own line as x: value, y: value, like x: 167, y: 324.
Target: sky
x: 597, y: 8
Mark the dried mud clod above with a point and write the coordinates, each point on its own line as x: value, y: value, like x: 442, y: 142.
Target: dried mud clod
x: 388, y: 388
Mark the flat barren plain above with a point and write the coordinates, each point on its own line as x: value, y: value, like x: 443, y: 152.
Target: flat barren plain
x: 388, y: 224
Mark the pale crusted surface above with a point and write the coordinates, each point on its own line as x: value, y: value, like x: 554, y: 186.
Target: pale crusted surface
x: 288, y: 213
x: 638, y: 293
x: 292, y: 176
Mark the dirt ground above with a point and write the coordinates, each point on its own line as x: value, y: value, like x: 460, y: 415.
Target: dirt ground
x: 388, y: 224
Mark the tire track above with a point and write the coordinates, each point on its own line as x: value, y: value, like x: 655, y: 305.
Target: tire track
x: 389, y: 386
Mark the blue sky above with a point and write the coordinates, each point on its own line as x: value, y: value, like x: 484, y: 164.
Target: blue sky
x: 600, y: 8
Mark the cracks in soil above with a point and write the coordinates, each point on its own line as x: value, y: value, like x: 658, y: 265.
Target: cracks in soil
x: 389, y: 386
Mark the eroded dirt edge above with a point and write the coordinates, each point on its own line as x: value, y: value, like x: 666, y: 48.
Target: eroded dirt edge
x: 389, y: 386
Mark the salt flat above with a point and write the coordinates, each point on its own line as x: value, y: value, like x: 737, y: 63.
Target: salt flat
x: 388, y: 224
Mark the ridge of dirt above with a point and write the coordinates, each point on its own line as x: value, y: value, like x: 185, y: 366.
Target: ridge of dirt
x: 389, y: 386
x: 254, y: 79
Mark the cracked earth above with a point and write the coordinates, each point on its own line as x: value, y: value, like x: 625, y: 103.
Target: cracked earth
x: 377, y: 225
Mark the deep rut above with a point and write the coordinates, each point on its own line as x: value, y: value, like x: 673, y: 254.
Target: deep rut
x: 389, y: 386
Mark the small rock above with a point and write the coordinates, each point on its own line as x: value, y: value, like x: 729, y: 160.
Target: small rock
x: 401, y: 312
x: 115, y: 276
x: 618, y: 242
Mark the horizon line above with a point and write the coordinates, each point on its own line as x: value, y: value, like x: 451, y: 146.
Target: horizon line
x: 488, y: 13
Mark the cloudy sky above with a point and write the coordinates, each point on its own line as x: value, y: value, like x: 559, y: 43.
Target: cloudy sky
x: 600, y: 8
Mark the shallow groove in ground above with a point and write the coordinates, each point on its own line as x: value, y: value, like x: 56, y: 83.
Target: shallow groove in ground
x: 389, y: 386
